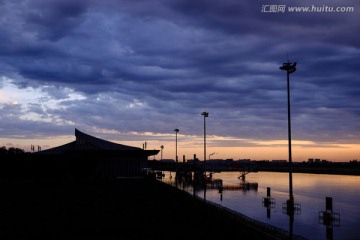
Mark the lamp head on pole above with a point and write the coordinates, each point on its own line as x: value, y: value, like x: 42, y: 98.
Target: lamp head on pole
x: 205, y: 114
x: 176, y: 130
x: 289, y: 67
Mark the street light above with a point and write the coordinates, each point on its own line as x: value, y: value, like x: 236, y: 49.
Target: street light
x: 211, y: 155
x: 162, y: 147
x: 176, y: 155
x: 289, y: 68
x: 205, y: 114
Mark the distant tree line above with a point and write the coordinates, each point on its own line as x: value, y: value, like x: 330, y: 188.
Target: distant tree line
x: 12, y: 151
x: 18, y: 165
x: 345, y: 168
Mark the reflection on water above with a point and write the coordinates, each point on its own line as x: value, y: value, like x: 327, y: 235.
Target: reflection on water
x: 268, y: 202
x: 310, y: 191
x: 329, y: 218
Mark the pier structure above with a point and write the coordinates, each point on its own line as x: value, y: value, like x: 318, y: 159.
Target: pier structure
x: 200, y: 172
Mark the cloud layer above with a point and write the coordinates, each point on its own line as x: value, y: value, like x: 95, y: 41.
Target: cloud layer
x: 155, y: 65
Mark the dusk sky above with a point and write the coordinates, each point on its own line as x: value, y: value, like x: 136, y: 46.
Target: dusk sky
x: 132, y: 71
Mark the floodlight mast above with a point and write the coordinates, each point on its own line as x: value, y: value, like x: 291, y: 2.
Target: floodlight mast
x: 176, y: 130
x: 205, y: 114
x: 289, y: 68
x: 162, y: 147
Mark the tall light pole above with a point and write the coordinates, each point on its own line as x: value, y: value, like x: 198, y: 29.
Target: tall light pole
x: 205, y: 114
x: 162, y: 147
x: 176, y: 155
x: 289, y: 68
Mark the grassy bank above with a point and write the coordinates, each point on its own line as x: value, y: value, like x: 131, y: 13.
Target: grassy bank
x: 121, y: 209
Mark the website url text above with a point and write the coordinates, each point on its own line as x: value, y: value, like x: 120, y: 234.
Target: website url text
x: 306, y: 9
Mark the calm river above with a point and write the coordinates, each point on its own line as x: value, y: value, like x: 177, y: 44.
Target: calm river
x: 310, y: 192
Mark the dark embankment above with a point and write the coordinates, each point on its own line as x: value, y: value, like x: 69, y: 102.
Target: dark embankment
x: 121, y: 209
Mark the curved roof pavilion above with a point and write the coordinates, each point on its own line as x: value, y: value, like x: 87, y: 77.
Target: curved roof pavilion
x: 85, y: 143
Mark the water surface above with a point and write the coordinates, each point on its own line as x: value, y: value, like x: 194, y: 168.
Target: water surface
x: 310, y: 192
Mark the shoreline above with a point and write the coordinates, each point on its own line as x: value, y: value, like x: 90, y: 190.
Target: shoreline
x: 268, y: 229
x: 345, y: 172
x: 138, y: 208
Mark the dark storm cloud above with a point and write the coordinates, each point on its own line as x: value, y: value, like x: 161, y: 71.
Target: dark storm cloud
x: 152, y: 65
x: 245, y: 17
x: 53, y: 20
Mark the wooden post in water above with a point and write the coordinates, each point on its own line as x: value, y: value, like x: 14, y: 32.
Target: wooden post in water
x: 328, y: 204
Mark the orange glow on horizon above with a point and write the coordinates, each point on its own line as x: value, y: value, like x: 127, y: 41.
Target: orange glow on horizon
x: 218, y: 147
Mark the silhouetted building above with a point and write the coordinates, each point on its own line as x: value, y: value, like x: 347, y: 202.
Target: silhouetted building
x: 89, y: 156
